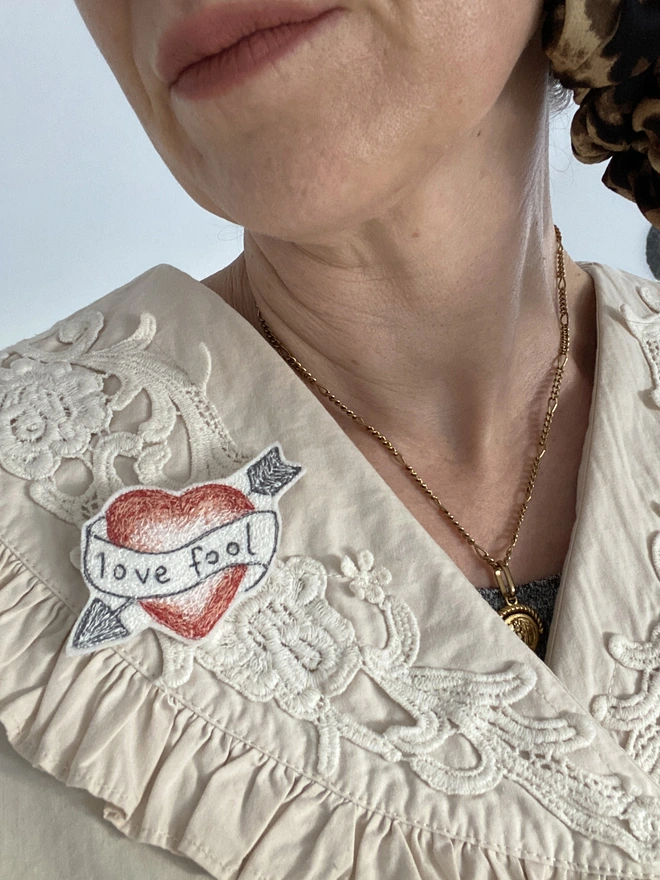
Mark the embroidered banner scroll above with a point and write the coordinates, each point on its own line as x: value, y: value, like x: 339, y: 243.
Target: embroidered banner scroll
x: 119, y: 571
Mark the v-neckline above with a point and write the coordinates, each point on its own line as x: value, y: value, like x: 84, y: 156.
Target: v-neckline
x: 309, y: 399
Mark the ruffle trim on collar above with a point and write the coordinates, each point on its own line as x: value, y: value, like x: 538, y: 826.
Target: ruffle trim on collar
x: 174, y: 779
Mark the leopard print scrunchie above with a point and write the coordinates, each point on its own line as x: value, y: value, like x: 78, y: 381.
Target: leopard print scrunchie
x: 608, y: 52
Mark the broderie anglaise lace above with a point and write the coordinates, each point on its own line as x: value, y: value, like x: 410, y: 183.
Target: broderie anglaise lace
x: 58, y: 396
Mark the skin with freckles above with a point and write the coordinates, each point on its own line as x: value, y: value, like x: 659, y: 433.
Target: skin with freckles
x: 391, y: 175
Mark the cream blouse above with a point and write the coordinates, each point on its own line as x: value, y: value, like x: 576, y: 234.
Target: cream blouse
x: 356, y: 710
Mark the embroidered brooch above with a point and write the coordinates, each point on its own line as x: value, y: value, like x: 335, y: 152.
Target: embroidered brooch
x: 177, y: 561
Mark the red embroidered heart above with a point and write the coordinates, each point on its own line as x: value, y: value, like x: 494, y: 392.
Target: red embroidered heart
x: 153, y: 520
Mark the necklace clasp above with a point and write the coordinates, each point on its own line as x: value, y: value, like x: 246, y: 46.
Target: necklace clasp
x: 505, y: 583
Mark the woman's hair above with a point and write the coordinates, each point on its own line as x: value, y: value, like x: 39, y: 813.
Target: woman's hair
x: 607, y: 53
x: 560, y: 97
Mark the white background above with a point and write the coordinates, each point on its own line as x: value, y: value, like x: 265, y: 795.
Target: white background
x: 87, y: 204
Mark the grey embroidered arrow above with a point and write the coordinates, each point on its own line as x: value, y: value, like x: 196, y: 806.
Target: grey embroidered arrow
x: 98, y: 624
x: 272, y: 473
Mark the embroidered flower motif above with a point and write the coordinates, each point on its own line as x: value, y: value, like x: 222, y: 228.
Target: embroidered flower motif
x: 47, y: 412
x: 287, y: 643
x: 363, y: 580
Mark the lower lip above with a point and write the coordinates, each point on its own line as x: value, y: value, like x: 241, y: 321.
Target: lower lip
x: 218, y: 74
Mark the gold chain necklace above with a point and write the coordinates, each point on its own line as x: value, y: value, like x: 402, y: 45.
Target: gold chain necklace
x: 522, y: 619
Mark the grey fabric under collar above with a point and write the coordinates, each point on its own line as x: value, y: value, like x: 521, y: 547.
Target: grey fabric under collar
x: 540, y: 594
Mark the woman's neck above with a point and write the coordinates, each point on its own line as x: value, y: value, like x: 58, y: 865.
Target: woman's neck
x: 438, y: 319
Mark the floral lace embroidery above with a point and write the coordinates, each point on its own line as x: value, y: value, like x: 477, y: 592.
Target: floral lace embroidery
x: 635, y: 718
x: 56, y: 405
x: 289, y: 645
x: 49, y: 412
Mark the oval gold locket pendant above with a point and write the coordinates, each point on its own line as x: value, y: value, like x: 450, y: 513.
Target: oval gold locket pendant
x: 523, y: 620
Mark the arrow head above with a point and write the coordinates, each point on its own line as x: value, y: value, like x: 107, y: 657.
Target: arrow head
x: 98, y: 624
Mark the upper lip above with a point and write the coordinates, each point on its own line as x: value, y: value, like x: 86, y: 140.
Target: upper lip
x: 218, y: 27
